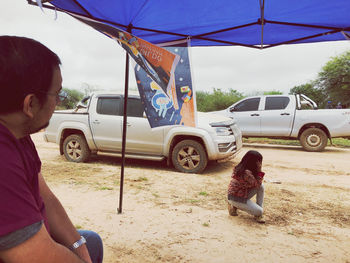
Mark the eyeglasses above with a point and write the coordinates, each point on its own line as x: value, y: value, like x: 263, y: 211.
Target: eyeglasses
x: 61, y: 96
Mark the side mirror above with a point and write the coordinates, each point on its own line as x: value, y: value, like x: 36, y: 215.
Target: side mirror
x: 232, y: 109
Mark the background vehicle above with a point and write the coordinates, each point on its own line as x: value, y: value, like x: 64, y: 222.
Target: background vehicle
x: 96, y: 126
x: 289, y: 117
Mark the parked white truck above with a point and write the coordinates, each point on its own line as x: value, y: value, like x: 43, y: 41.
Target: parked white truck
x: 95, y: 126
x: 289, y: 117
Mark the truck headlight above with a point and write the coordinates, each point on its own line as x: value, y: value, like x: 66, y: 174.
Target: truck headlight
x: 223, y: 131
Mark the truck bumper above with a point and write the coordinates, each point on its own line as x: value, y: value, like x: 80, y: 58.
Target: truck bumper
x: 228, y: 147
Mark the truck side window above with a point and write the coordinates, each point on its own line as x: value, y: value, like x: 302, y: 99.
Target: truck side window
x: 248, y: 105
x: 108, y: 106
x: 135, y: 107
x: 276, y: 103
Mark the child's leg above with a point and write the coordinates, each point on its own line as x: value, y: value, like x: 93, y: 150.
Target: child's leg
x: 260, y: 196
x: 250, y: 207
x: 259, y: 192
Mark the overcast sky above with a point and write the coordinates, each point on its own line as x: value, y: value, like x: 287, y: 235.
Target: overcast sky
x: 90, y: 58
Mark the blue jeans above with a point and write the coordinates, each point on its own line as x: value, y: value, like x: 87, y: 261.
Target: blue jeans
x: 251, y: 207
x: 94, y: 245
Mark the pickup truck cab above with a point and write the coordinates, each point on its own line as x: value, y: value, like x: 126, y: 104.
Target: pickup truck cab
x: 289, y: 117
x: 95, y: 126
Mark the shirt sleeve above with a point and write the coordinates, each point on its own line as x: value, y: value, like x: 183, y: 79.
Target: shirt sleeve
x: 18, y: 206
x: 19, y: 236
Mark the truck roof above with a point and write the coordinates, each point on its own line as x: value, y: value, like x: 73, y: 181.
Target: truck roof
x: 116, y: 92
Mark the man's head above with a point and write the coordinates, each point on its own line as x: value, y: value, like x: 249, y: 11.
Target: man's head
x: 30, y: 83
x: 26, y: 67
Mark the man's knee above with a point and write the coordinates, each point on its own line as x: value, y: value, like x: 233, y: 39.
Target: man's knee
x: 94, y: 245
x: 90, y: 235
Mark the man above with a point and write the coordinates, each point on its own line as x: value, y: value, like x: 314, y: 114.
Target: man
x: 34, y: 226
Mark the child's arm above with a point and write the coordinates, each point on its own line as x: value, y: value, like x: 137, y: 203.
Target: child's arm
x: 250, y: 180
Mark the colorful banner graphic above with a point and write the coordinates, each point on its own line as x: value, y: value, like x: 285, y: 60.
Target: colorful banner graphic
x: 178, y: 106
x: 157, y: 62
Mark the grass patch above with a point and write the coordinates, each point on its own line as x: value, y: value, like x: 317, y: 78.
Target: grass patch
x: 206, y: 224
x: 155, y: 195
x: 142, y: 179
x: 105, y: 188
x: 341, y: 142
x: 203, y: 193
x: 285, y: 204
x: 337, y: 142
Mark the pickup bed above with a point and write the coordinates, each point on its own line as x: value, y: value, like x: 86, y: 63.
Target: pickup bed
x: 289, y: 117
x: 96, y: 127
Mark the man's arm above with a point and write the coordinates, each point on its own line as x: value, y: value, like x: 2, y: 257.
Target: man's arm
x: 39, y: 248
x: 61, y: 228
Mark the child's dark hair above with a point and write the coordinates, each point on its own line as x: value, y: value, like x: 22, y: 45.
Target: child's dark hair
x: 248, y: 162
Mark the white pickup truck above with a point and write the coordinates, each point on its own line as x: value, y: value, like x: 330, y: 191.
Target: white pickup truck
x: 95, y: 126
x: 289, y: 117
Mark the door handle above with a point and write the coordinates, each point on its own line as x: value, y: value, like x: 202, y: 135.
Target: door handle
x: 128, y: 124
x: 285, y: 113
x: 96, y: 122
x: 254, y: 114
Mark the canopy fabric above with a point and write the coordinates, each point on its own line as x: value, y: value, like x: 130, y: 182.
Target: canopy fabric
x: 252, y: 23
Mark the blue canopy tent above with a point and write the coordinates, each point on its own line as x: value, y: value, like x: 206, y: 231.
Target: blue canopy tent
x: 251, y: 23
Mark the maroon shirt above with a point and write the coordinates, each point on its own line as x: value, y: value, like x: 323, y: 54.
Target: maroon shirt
x: 20, y: 201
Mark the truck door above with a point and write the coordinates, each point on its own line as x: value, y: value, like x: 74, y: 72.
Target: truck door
x: 106, y: 123
x: 247, y: 115
x: 277, y: 116
x: 140, y: 138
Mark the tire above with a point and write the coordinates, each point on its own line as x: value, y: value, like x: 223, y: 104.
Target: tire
x: 75, y: 149
x: 313, y: 140
x: 189, y: 156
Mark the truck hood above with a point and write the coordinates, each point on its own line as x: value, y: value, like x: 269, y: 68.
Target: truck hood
x: 205, y: 119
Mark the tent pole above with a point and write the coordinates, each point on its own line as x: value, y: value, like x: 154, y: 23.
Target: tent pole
x: 262, y: 18
x: 126, y: 88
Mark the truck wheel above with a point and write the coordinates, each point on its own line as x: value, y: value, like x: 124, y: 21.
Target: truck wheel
x: 313, y: 140
x: 189, y: 156
x: 76, y: 149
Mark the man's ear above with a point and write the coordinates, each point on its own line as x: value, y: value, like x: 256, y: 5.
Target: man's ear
x: 29, y: 104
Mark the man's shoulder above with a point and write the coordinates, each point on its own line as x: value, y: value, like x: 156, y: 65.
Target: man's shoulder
x: 11, y: 149
x: 8, y: 147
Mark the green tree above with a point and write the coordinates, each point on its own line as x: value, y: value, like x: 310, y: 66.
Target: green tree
x: 313, y: 92
x: 74, y: 96
x: 218, y: 100
x: 273, y: 92
x: 334, y: 79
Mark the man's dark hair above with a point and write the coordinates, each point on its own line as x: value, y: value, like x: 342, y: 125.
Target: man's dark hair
x: 26, y: 66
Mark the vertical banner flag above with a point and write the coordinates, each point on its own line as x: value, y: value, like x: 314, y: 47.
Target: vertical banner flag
x: 163, y: 76
x: 157, y: 62
x: 178, y: 105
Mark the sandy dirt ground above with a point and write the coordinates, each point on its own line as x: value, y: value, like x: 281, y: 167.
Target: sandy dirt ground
x: 173, y: 217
